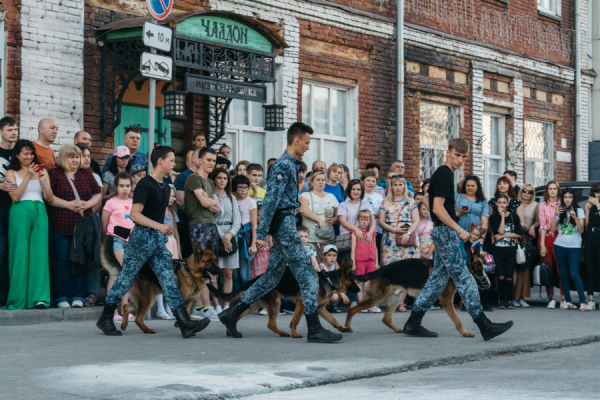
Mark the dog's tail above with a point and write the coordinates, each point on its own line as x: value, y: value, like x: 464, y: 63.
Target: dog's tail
x: 228, y: 297
x: 107, y: 255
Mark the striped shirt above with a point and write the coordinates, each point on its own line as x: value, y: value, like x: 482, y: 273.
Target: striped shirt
x: 546, y: 214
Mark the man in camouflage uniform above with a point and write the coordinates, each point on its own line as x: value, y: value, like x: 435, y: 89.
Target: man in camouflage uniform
x: 277, y: 219
x: 147, y: 243
x: 450, y: 258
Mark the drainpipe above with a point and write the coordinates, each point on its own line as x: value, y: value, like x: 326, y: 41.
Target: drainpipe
x: 399, y: 78
x: 578, y: 174
x: 82, y: 90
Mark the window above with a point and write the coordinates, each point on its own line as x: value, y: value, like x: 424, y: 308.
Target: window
x: 539, y: 152
x: 245, y: 132
x: 492, y: 149
x: 549, y: 6
x: 439, y: 124
x: 325, y: 108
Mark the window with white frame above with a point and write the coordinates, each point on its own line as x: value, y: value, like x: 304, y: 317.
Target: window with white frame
x: 245, y: 132
x: 539, y: 152
x: 549, y: 6
x: 326, y: 109
x: 492, y: 151
x: 438, y: 124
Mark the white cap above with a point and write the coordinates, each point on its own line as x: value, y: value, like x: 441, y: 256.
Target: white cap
x: 330, y: 247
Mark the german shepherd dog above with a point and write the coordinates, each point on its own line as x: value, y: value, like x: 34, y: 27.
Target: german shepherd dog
x: 192, y: 275
x: 288, y: 288
x: 410, y: 276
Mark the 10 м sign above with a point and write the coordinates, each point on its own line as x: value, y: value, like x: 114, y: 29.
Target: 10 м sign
x: 157, y: 37
x: 222, y: 88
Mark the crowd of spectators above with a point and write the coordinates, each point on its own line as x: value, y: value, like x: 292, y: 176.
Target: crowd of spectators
x: 374, y: 220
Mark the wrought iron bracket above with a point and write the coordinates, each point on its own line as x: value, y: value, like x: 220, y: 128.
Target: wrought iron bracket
x: 217, y: 115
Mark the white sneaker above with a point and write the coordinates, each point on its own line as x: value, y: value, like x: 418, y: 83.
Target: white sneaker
x: 263, y: 312
x: 563, y: 305
x: 515, y: 303
x: 77, y: 304
x: 197, y: 314
x: 211, y: 314
x: 225, y: 308
x: 591, y: 305
x: 63, y: 304
x: 552, y: 304
x: 523, y: 303
x: 376, y: 309
x: 218, y: 309
x: 352, y: 304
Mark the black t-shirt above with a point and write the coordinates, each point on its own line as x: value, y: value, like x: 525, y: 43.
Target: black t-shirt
x: 95, y: 167
x: 512, y: 224
x: 5, y: 200
x: 442, y: 185
x: 154, y: 197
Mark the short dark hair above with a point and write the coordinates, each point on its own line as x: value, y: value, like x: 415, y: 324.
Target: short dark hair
x: 253, y: 167
x: 160, y: 152
x: 205, y: 150
x: 213, y: 176
x: 239, y: 180
x: 303, y: 167
x: 133, y: 129
x: 21, y: 144
x: 302, y: 228
x: 83, y: 146
x: 7, y: 121
x: 352, y: 183
x: 511, y: 173
x: 373, y: 165
x: 297, y: 130
x: 124, y: 176
x: 459, y: 144
x: 369, y: 173
x: 224, y: 147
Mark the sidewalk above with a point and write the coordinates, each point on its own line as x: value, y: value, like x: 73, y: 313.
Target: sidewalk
x: 33, y: 317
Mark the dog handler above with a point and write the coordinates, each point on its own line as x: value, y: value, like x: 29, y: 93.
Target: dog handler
x: 147, y: 244
x: 278, y: 219
x: 450, y: 259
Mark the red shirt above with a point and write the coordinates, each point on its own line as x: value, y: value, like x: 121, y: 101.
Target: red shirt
x: 365, y: 251
x: 61, y: 219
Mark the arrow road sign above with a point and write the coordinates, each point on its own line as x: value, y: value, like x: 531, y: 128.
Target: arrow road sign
x: 155, y: 66
x: 158, y: 37
x: 159, y: 9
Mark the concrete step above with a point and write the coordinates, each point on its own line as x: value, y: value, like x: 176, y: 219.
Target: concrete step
x: 32, y: 317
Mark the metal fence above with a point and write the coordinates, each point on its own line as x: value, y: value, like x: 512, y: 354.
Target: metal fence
x: 539, y: 152
x: 439, y: 124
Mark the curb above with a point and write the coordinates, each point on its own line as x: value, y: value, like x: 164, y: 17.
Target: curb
x: 35, y: 317
x: 441, y: 362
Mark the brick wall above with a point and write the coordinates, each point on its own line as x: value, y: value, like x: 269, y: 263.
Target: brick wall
x: 13, y: 60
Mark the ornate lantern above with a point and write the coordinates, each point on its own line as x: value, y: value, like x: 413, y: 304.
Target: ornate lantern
x: 274, y: 116
x: 174, y: 104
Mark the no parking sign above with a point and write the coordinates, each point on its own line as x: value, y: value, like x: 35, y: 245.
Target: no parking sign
x: 159, y: 9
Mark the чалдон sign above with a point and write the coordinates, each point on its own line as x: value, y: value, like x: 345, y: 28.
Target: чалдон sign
x: 221, y: 88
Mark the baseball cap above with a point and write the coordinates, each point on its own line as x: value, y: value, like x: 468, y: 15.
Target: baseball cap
x: 121, y: 151
x: 136, y: 168
x: 223, y: 160
x: 329, y: 248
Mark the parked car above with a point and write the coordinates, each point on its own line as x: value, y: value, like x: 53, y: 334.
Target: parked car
x: 582, y: 191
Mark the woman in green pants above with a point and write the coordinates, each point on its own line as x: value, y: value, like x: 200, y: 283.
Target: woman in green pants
x: 28, y: 230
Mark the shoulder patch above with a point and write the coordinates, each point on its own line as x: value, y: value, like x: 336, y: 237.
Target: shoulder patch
x: 279, y: 177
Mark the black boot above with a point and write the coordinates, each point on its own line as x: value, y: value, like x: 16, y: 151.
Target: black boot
x: 230, y: 317
x: 318, y: 334
x: 490, y: 330
x: 188, y: 326
x: 105, y: 323
x: 413, y: 326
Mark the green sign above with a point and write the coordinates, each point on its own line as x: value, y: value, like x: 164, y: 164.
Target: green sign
x: 224, y: 30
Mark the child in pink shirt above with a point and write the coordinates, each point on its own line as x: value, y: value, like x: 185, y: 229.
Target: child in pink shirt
x: 364, y: 255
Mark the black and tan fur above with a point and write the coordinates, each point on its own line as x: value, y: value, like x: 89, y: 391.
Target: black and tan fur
x: 288, y: 289
x: 192, y: 276
x: 410, y: 276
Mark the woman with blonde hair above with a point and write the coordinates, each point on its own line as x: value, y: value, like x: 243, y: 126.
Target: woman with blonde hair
x: 399, y: 215
x: 334, y: 175
x: 64, y: 211
x: 530, y: 224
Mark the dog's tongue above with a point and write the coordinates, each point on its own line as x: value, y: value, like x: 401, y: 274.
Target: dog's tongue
x: 211, y: 276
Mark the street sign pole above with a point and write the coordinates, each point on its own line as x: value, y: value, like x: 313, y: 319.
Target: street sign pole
x: 151, y: 110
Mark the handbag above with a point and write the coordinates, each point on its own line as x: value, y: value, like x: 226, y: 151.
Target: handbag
x: 343, y: 242
x: 326, y: 232
x: 521, y: 258
x: 412, y: 240
x: 225, y: 253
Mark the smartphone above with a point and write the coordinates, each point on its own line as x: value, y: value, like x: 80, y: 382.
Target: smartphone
x: 405, y: 226
x: 465, y: 207
x: 39, y: 168
x: 568, y: 208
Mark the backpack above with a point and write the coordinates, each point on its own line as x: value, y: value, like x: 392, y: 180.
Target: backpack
x: 542, y: 275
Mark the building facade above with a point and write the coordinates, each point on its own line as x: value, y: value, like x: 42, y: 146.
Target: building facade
x: 500, y: 73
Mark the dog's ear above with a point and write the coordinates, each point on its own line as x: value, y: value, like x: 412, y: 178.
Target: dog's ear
x: 197, y: 250
x: 346, y: 264
x: 476, y: 251
x: 209, y: 246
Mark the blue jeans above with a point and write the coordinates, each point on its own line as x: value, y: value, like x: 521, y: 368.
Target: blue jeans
x: 63, y: 284
x: 568, y: 259
x: 4, y: 281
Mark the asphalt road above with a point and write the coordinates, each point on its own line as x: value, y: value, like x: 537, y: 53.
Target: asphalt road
x: 73, y: 360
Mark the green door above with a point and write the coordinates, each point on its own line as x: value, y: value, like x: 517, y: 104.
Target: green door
x: 138, y: 116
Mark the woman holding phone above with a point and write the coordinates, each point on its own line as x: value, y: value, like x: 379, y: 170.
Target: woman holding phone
x: 28, y: 230
x: 471, y: 207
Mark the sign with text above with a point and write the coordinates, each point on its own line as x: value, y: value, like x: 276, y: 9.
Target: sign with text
x: 159, y: 9
x: 157, y: 37
x: 156, y: 66
x: 222, y: 88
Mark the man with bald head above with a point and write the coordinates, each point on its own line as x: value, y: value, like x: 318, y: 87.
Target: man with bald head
x: 317, y: 166
x: 86, y: 138
x: 47, y: 131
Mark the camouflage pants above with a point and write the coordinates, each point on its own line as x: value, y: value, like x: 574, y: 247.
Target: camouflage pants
x: 147, y: 245
x: 287, y: 250
x: 203, y: 233
x: 448, y: 262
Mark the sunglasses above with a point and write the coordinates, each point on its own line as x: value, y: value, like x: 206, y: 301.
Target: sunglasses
x: 395, y: 176
x: 527, y: 191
